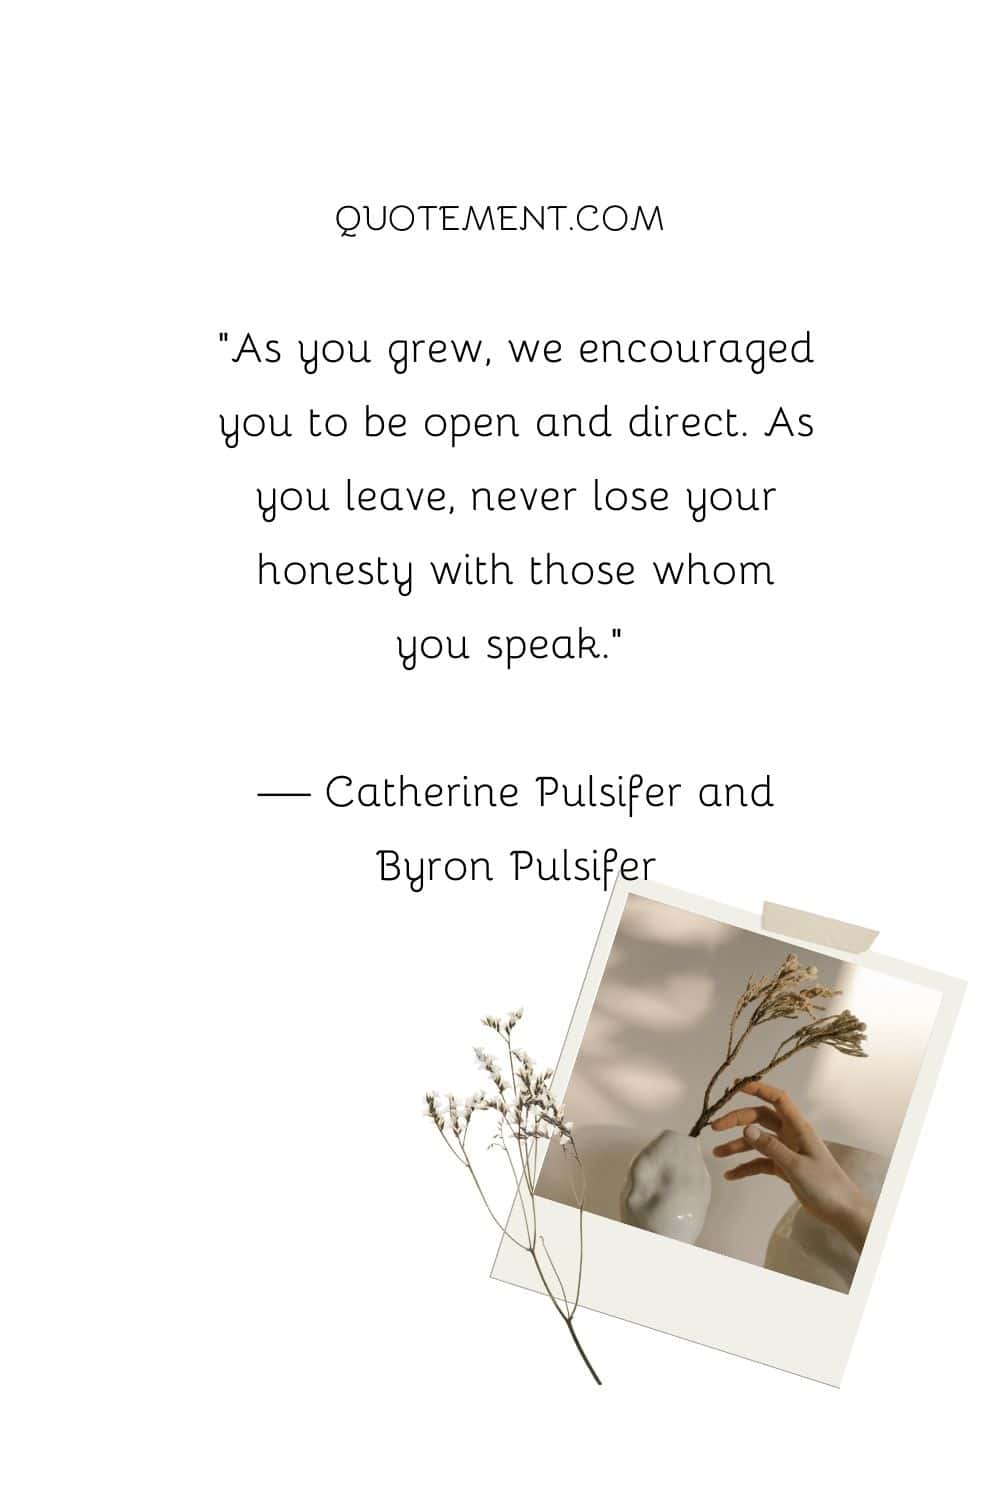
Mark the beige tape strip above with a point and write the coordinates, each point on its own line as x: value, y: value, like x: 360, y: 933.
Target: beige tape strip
x: 810, y: 928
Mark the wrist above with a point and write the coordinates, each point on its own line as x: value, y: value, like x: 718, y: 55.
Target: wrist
x: 855, y: 1220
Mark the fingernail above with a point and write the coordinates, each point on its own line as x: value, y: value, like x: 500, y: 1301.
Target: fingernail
x: 752, y: 1134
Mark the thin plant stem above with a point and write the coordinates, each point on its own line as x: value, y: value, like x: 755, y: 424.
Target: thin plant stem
x: 555, y: 1270
x: 580, y: 1350
x: 502, y: 1227
x: 517, y: 1185
x: 579, y: 1257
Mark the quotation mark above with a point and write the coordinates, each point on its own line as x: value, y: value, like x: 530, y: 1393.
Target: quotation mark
x: 223, y: 337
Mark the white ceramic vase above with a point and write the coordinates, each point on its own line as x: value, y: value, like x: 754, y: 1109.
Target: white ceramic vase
x: 668, y: 1188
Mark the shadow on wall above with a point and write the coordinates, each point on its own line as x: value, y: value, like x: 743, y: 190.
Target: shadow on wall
x: 657, y: 1032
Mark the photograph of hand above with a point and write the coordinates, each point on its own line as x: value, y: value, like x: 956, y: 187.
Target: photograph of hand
x: 738, y: 1095
x: 787, y: 1146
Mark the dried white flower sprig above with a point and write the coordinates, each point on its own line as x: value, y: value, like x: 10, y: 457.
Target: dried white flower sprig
x: 783, y: 995
x: 524, y: 1112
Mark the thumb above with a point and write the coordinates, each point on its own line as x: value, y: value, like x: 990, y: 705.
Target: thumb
x: 769, y: 1145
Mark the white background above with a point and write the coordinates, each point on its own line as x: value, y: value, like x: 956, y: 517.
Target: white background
x: 235, y: 1259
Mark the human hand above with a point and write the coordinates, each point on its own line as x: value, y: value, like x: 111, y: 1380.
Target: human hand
x: 791, y: 1149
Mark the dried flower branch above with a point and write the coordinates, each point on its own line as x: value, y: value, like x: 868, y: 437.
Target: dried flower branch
x: 783, y: 995
x: 525, y: 1111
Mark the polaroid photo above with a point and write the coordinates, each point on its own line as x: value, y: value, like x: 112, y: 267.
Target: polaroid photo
x: 704, y: 1045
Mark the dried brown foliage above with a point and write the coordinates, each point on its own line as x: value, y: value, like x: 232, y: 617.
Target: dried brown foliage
x: 784, y: 995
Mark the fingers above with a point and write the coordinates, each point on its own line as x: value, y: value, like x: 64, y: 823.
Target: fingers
x: 769, y: 1146
x: 759, y: 1167
x: 748, y: 1115
x: 785, y: 1106
x: 732, y: 1148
